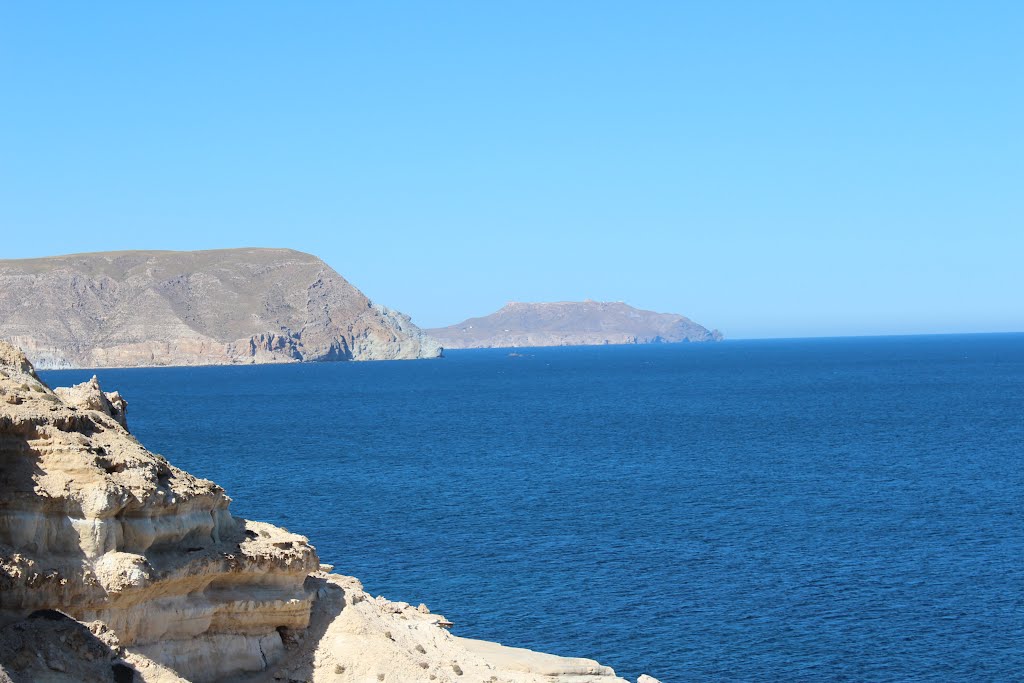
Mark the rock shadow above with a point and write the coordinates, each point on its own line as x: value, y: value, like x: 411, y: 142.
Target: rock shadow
x: 49, y: 645
x: 300, y: 646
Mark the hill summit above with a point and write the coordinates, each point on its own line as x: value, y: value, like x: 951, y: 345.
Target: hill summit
x: 135, y: 308
x: 571, y: 323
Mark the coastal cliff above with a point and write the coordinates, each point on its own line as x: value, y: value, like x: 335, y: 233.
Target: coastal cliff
x: 137, y: 308
x: 117, y: 566
x: 571, y: 323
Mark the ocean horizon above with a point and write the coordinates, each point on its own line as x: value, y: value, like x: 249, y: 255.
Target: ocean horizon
x: 839, y: 508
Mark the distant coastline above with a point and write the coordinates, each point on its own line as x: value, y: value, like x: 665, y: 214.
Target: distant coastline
x: 190, y: 308
x: 571, y: 323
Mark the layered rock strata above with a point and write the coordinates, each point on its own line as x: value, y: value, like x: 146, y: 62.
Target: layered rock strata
x: 571, y: 323
x: 164, y: 584
x: 94, y: 525
x: 135, y: 308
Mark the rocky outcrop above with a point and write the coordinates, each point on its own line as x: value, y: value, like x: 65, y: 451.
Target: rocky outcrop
x: 51, y: 646
x: 89, y: 396
x: 355, y: 637
x: 135, y: 308
x: 94, y: 525
x: 163, y: 584
x: 571, y: 323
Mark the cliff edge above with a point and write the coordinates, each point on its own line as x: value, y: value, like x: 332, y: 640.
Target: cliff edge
x: 117, y: 566
x: 134, y: 308
x: 571, y: 323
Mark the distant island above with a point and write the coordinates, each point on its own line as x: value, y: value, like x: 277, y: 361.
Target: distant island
x: 571, y: 323
x: 140, y: 308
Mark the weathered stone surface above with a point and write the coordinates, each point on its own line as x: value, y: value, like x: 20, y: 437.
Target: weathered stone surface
x: 94, y: 525
x: 51, y: 646
x: 165, y: 585
x: 89, y: 396
x: 571, y: 323
x: 354, y: 637
x: 135, y: 308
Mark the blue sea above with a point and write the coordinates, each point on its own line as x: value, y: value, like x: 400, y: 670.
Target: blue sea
x: 809, y: 510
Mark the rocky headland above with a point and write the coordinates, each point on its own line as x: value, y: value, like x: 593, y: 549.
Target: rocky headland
x: 117, y: 566
x: 138, y: 308
x: 571, y: 323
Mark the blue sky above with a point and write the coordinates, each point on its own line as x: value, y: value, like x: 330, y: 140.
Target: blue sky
x: 770, y: 169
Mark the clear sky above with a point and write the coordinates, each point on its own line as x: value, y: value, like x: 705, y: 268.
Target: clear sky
x: 767, y: 168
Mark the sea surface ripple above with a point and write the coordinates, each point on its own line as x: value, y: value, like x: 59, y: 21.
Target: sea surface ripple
x: 836, y: 509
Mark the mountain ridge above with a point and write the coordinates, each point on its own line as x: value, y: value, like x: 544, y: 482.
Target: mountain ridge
x: 210, y: 307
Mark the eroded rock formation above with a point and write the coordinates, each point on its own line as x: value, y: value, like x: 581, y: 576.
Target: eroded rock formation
x: 134, y: 308
x: 164, y: 584
x: 89, y: 396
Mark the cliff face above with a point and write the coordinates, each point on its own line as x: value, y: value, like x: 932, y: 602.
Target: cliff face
x: 131, y: 308
x: 117, y: 566
x: 94, y: 525
x: 571, y: 323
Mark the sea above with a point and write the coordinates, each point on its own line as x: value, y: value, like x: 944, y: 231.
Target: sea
x: 846, y: 509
